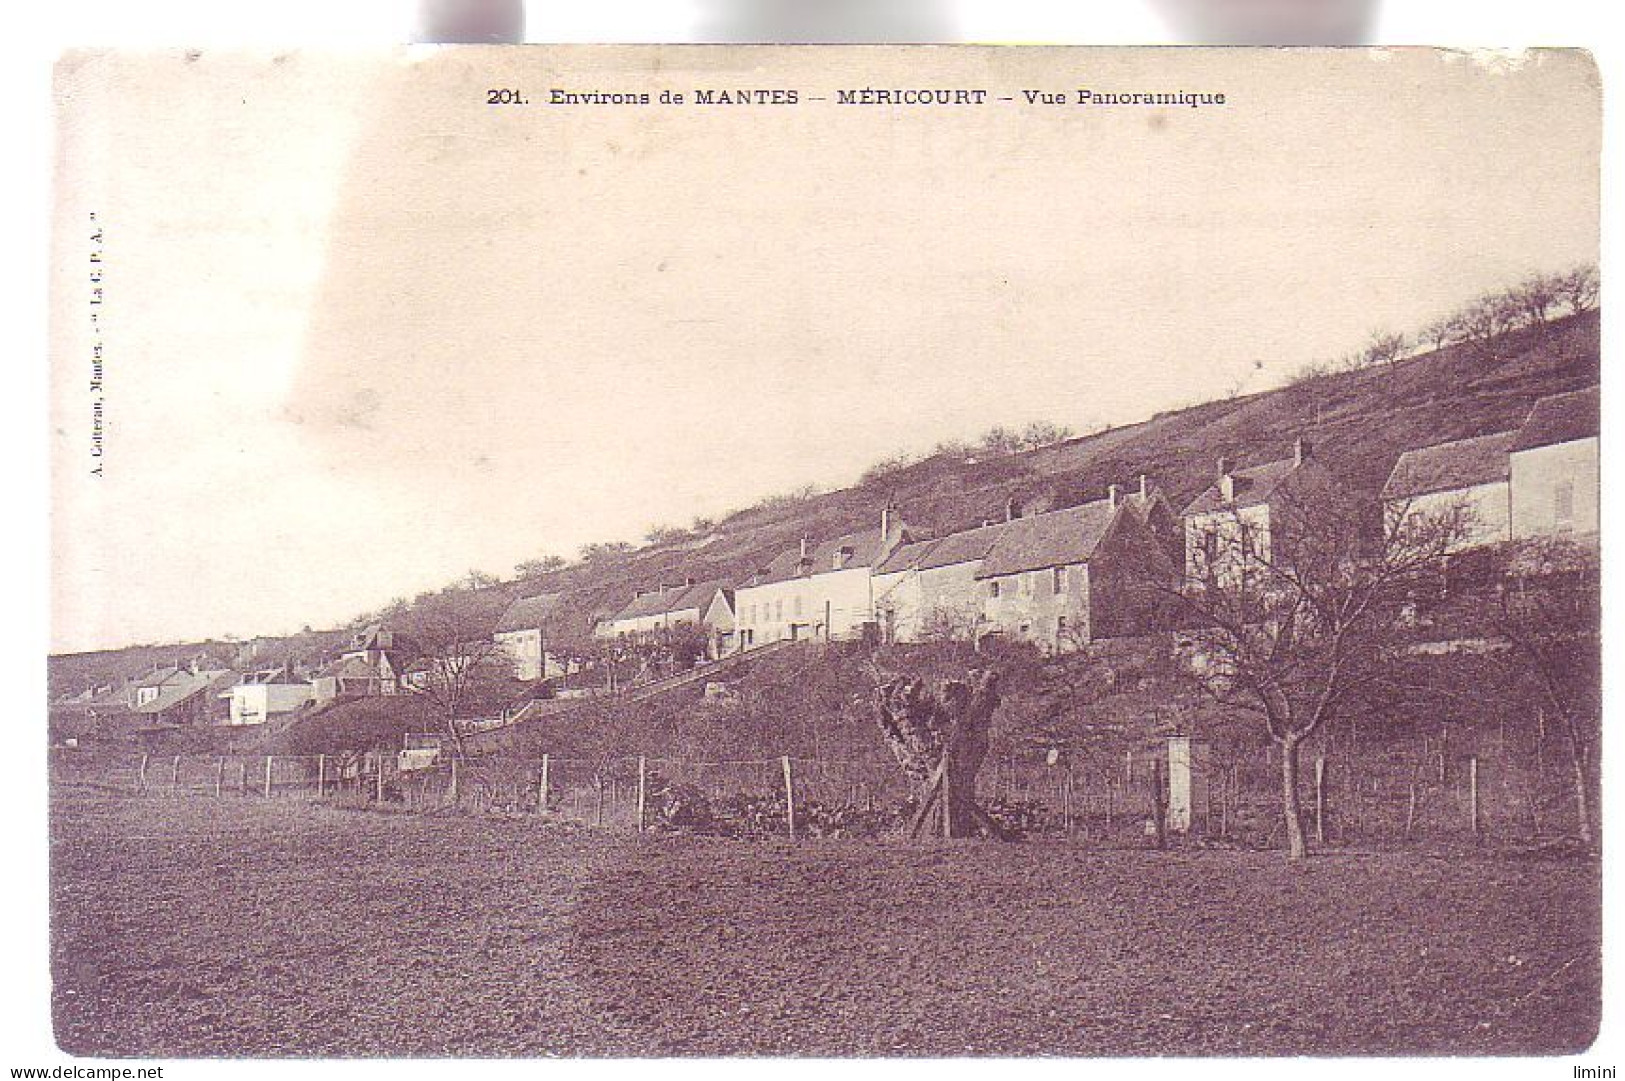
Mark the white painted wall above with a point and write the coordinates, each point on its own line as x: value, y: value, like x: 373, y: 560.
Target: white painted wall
x: 798, y: 608
x: 256, y: 703
x: 1547, y: 481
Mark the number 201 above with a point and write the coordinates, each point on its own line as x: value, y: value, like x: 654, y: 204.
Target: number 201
x: 504, y: 97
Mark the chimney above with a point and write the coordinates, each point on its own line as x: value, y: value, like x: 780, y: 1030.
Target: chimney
x: 803, y: 547
x: 889, y: 520
x: 1115, y: 495
x: 1011, y: 510
x: 1227, y: 481
x: 1145, y: 488
x: 1301, y: 450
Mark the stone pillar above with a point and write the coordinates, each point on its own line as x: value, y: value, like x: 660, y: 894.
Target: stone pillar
x: 1187, y: 782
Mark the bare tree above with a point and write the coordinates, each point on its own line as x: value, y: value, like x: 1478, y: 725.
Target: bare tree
x: 459, y: 670
x: 1293, y: 616
x: 1534, y: 298
x: 1442, y: 331
x: 1385, y: 347
x: 1550, y: 613
x: 1580, y: 287
x: 535, y: 568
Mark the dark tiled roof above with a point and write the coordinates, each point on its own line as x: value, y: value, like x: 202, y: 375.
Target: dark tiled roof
x: 1056, y: 539
x: 867, y: 549
x: 187, y: 686
x: 1253, y: 486
x: 529, y: 613
x: 1449, y: 467
x: 675, y: 599
x: 1561, y: 418
x: 967, y: 546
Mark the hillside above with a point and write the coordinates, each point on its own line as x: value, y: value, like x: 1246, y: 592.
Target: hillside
x: 1359, y: 423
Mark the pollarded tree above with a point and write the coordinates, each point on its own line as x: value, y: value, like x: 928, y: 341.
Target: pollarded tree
x: 939, y: 737
x: 1292, y: 616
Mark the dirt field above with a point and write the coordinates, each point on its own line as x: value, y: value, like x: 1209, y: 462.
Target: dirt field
x: 191, y: 927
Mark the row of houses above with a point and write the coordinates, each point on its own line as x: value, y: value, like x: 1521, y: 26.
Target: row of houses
x: 1059, y: 579
x: 200, y: 691
x: 1066, y: 577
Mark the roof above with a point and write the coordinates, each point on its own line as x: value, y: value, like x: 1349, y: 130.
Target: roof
x: 1449, y: 467
x: 1056, y: 539
x: 867, y: 546
x: 1561, y: 418
x: 350, y: 667
x: 967, y: 546
x: 695, y: 596
x: 1253, y: 486
x: 184, y: 687
x: 530, y: 613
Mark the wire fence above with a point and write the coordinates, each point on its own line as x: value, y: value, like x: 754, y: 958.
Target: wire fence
x: 1424, y: 790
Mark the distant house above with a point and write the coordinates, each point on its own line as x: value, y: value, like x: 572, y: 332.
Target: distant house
x: 1467, y: 479
x: 1068, y: 577
x: 1554, y: 468
x: 181, y: 696
x: 818, y: 592
x: 1242, y: 517
x: 719, y: 619
x: 524, y: 631
x: 370, y: 667
x: 661, y: 607
x: 264, y: 696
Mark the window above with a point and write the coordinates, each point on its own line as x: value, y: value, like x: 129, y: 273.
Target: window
x: 1059, y: 586
x: 778, y: 610
x: 1027, y: 587
x: 1060, y: 627
x: 1563, y: 505
x: 796, y: 605
x: 993, y: 588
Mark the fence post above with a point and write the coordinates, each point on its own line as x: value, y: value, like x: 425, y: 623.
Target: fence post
x: 790, y: 796
x: 175, y: 775
x: 270, y: 763
x: 220, y: 778
x: 1472, y: 798
x: 242, y: 783
x: 378, y: 793
x: 141, y: 777
x: 1066, y: 798
x: 643, y: 766
x: 1159, y: 804
x: 1320, y: 799
x: 321, y: 776
x: 542, y: 793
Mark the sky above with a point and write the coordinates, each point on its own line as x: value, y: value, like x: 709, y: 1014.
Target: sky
x: 364, y: 333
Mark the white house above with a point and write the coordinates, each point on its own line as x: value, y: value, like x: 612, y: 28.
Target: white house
x: 1468, y: 478
x: 523, y: 633
x: 1235, y: 521
x: 666, y: 606
x: 1554, y: 468
x: 819, y: 592
x: 265, y: 696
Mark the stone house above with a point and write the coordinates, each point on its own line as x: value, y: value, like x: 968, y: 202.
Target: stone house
x: 1067, y: 577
